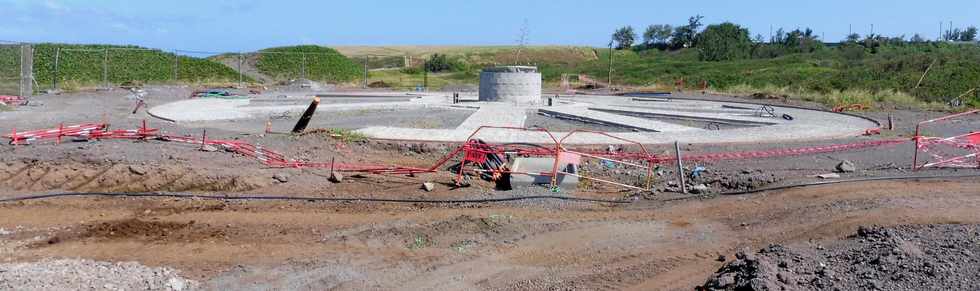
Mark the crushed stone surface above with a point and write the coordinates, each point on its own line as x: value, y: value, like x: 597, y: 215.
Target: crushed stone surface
x: 72, y: 274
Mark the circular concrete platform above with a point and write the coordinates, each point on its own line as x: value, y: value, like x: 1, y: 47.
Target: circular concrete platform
x: 645, y: 120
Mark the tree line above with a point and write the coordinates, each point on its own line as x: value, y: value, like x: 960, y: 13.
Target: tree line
x: 729, y: 41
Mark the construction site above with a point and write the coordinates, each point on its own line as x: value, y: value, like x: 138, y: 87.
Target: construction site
x: 509, y: 184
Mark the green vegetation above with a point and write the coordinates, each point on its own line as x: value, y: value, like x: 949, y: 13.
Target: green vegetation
x: 9, y: 70
x: 828, y: 72
x: 624, y: 37
x: 312, y: 62
x: 724, y: 42
x: 82, y: 65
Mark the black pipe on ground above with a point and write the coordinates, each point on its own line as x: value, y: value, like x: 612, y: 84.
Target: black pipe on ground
x: 305, y: 119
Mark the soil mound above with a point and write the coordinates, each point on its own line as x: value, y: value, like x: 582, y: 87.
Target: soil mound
x: 931, y: 257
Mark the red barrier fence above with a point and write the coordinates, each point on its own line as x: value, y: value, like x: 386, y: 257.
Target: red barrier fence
x: 960, y: 151
x: 12, y: 100
x: 475, y: 152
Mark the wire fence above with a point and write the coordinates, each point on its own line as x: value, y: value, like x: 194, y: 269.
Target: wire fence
x: 12, y: 68
x: 26, y: 69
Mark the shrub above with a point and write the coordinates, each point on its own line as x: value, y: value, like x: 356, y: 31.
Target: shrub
x: 724, y: 42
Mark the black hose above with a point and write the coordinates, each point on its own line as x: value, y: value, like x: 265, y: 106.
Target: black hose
x: 914, y: 177
x: 448, y: 201
x: 310, y: 199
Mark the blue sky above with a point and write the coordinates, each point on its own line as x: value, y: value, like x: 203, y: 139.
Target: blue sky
x: 226, y: 25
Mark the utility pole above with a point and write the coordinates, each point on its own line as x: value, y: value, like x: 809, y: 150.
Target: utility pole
x: 940, y: 37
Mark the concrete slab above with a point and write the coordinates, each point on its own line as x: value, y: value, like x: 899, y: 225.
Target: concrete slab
x: 491, y: 114
x: 588, y: 115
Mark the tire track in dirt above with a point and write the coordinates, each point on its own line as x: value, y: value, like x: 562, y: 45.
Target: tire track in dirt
x: 39, y: 177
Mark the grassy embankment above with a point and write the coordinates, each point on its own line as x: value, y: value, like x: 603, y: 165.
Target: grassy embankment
x: 886, y: 77
x: 81, y: 66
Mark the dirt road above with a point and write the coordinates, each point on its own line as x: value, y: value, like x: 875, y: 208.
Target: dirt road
x: 543, y: 245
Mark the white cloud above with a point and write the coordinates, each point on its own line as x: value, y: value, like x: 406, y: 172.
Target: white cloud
x: 56, y: 7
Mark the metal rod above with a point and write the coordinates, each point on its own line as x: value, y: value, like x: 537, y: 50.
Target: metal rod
x: 680, y: 166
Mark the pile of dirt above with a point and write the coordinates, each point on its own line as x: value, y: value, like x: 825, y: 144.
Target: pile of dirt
x: 141, y: 230
x: 930, y: 257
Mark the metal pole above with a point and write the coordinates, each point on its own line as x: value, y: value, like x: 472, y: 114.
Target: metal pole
x: 105, y: 68
x: 680, y: 167
x: 54, y: 81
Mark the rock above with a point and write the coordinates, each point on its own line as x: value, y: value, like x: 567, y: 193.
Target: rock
x: 280, y: 177
x: 846, y: 167
x: 429, y: 186
x: 176, y: 284
x: 828, y: 176
x: 209, y: 148
x: 699, y: 189
x: 137, y: 170
x: 725, y: 281
x: 336, y: 177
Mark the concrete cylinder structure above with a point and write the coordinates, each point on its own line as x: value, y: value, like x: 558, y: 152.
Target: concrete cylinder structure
x: 512, y: 84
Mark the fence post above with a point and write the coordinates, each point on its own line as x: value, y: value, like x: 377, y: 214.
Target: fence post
x: 680, y: 167
x: 176, y: 66
x: 26, y: 70
x: 241, y: 79
x: 365, y: 71
x: 105, y: 68
x: 303, y: 68
x: 57, y: 58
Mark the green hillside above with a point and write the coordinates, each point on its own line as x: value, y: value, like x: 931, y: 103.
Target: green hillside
x: 82, y: 65
x: 315, y: 62
x: 955, y: 71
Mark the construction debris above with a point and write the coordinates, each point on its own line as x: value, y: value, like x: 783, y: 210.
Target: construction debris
x: 336, y: 177
x: 281, y: 178
x: 428, y: 186
x: 829, y: 176
x: 137, y: 170
x: 846, y: 166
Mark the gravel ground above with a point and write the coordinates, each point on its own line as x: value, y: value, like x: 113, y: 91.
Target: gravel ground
x: 89, y: 275
x: 929, y: 257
